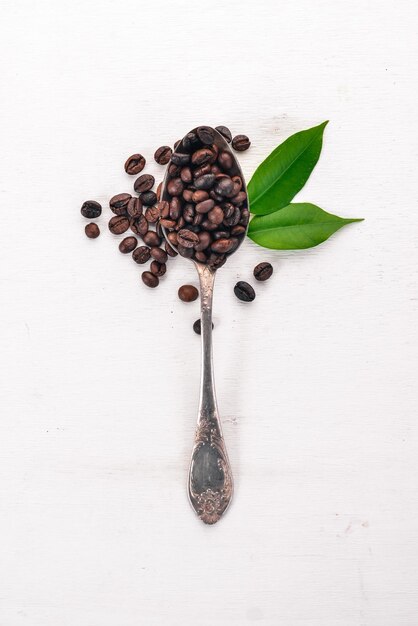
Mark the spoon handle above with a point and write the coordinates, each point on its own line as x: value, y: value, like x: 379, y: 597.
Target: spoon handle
x: 210, y: 483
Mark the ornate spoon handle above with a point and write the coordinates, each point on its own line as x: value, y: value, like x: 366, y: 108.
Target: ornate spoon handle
x: 210, y: 479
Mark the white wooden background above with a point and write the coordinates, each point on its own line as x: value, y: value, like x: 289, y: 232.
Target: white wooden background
x: 99, y: 376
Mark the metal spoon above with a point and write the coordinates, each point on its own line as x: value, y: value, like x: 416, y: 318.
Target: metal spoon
x: 210, y: 484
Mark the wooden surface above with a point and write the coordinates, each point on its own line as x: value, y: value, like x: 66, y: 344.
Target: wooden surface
x: 316, y: 379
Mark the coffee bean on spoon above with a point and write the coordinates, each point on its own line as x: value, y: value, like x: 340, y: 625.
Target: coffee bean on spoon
x: 150, y: 279
x: 145, y: 182
x: 205, y: 181
x: 118, y: 224
x: 197, y: 327
x: 206, y: 135
x: 163, y: 154
x: 263, y: 271
x: 151, y: 239
x: 180, y: 159
x: 141, y: 255
x: 170, y: 251
x: 187, y: 238
x: 119, y: 203
x: 241, y: 143
x: 128, y: 244
x: 135, y: 164
x: 92, y: 230
x: 188, y: 293
x: 225, y: 132
x: 91, y: 209
x: 244, y: 291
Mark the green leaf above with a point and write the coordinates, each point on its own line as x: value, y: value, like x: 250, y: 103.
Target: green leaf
x: 285, y: 171
x: 295, y: 227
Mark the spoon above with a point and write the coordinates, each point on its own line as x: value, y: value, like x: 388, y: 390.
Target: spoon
x: 210, y: 483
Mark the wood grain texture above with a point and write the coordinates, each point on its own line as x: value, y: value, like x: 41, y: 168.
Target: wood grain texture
x: 316, y: 379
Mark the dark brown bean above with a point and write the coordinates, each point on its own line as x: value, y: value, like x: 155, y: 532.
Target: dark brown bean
x: 238, y: 230
x: 197, y: 327
x: 170, y: 251
x: 204, y: 241
x: 119, y: 203
x: 241, y: 143
x: 225, y: 160
x: 188, y: 213
x: 91, y: 209
x: 202, y: 170
x: 173, y: 169
x: 234, y: 218
x: 204, y: 155
x: 164, y: 209
x: 150, y: 279
x: 187, y: 238
x: 216, y: 215
x: 92, y: 230
x: 180, y: 159
x: 159, y: 254
x: 200, y: 256
x: 139, y: 225
x: 157, y: 268
x: 181, y: 222
x: 175, y: 187
x: 204, y: 182
x: 205, y: 206
x: 225, y: 187
x: 148, y: 198
x: 245, y: 217
x: 141, y: 254
x: 188, y: 195
x: 135, y: 164
x: 173, y: 239
x: 186, y: 175
x: 217, y: 260
x: 128, y: 244
x: 134, y: 208
x: 188, y: 293
x: 163, y: 154
x: 151, y: 239
x: 152, y: 214
x: 244, y: 291
x: 200, y: 196
x: 144, y: 183
x: 177, y: 143
x: 158, y: 192
x: 263, y: 271
x: 239, y: 198
x: 187, y: 253
x: 225, y: 132
x: 168, y: 224
x: 222, y: 246
x: 118, y: 224
x: 238, y: 181
x: 206, y: 134
x: 190, y: 142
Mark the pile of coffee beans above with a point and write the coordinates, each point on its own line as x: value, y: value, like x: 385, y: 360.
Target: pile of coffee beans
x: 204, y: 210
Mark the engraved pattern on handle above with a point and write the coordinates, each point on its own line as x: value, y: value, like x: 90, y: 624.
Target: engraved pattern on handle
x: 210, y: 479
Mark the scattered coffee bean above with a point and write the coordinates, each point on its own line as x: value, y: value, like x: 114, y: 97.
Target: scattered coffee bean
x: 197, y: 327
x: 241, y: 143
x: 244, y: 291
x: 188, y: 293
x: 151, y: 239
x: 152, y: 214
x: 144, y: 183
x: 91, y: 209
x: 148, y: 198
x: 225, y: 132
x: 92, y: 230
x: 119, y: 203
x: 159, y: 254
x: 263, y: 271
x: 157, y: 268
x: 163, y: 154
x: 150, y: 279
x: 139, y: 225
x: 118, y: 224
x: 134, y: 208
x: 141, y: 254
x: 135, y: 164
x: 128, y: 244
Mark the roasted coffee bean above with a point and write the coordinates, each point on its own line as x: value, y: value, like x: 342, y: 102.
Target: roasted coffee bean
x: 181, y: 222
x: 91, y: 209
x: 164, y: 209
x: 187, y: 238
x: 128, y: 244
x: 186, y: 175
x: 200, y: 196
x: 205, y: 206
x: 238, y: 230
x: 92, y: 230
x: 152, y: 214
x: 186, y: 252
x: 234, y: 218
x: 187, y: 195
x: 204, y: 241
x: 150, y: 279
x: 202, y: 170
x: 206, y: 134
x: 173, y: 170
x: 188, y: 293
x: 225, y: 187
x: 216, y: 260
x: 263, y: 271
x: 158, y: 192
x: 139, y: 225
x: 204, y: 182
x: 180, y: 159
x: 197, y: 327
x: 216, y: 215
x: 119, y: 204
x: 215, y: 169
x: 225, y: 160
x: 163, y: 154
x: 239, y: 198
x: 216, y: 197
x: 157, y: 268
x: 204, y: 155
x: 175, y: 187
x: 159, y: 230
x: 200, y: 256
x: 198, y: 219
x: 208, y: 225
x: 221, y: 234
x: 190, y: 142
x: 159, y: 255
x: 244, y: 291
x: 148, y: 198
x: 134, y: 208
x: 168, y: 224
x: 188, y: 213
x: 225, y: 132
x: 173, y: 239
x: 170, y: 251
x: 151, y: 239
x: 241, y: 143
x: 144, y: 183
x: 135, y: 164
x: 141, y: 255
x: 222, y: 246
x: 245, y: 217
x: 238, y: 181
x: 118, y: 224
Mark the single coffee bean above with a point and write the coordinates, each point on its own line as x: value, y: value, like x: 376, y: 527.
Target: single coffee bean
x: 225, y: 132
x: 159, y: 254
x: 139, y: 225
x: 181, y: 222
x: 216, y: 261
x: 173, y: 239
x: 241, y: 143
x: 134, y: 208
x: 190, y: 142
x: 204, y: 182
x: 150, y: 279
x: 222, y: 246
x: 145, y: 182
x: 157, y: 268
x: 200, y: 256
x: 163, y: 154
x: 202, y: 170
x: 175, y: 187
x: 263, y: 271
x: 187, y: 253
x: 206, y: 134
x: 180, y: 159
x: 221, y: 234
x: 238, y: 181
x: 118, y: 224
x: 119, y: 203
x: 238, y: 230
x: 216, y: 197
x: 151, y: 239
x: 198, y: 219
x: 141, y: 254
x: 168, y: 224
x: 188, y: 195
x: 204, y: 241
x: 216, y: 215
x: 159, y: 230
x: 245, y: 217
x: 234, y: 218
x: 244, y: 291
x: 208, y: 225
x: 205, y: 206
x: 188, y: 213
x: 173, y: 169
x: 164, y: 209
x: 204, y: 155
x: 152, y: 214
x: 92, y: 230
x: 215, y: 169
x: 188, y: 293
x: 197, y: 327
x: 91, y: 209
x: 148, y: 198
x: 239, y: 198
x: 170, y: 251
x: 186, y: 175
x: 187, y: 238
x: 135, y: 164
x: 225, y: 187
x: 225, y: 160
x: 128, y: 244
x: 200, y: 196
